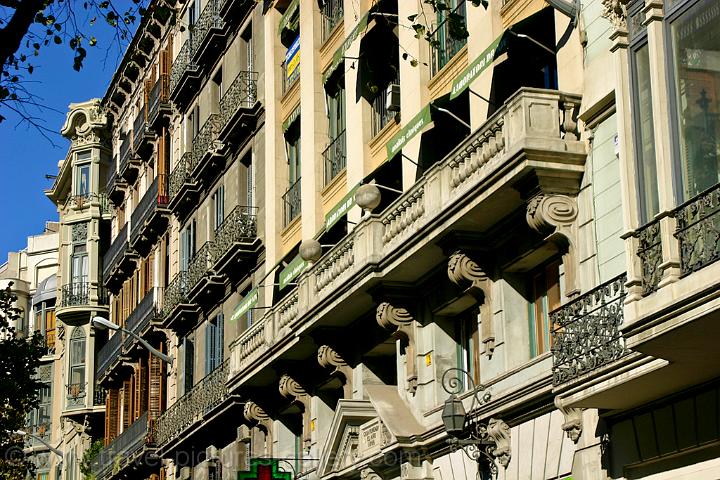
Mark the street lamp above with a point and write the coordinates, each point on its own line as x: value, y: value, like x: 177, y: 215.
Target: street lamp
x: 103, y: 323
x: 50, y: 447
x: 471, y: 437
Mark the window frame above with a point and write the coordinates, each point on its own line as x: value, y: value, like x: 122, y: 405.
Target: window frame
x: 81, y: 365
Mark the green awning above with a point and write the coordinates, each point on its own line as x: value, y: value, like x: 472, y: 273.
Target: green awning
x: 293, y: 269
x: 482, y: 62
x: 245, y: 304
x: 287, y: 17
x: 419, y: 123
x: 340, y: 52
x: 294, y: 115
x: 341, y: 208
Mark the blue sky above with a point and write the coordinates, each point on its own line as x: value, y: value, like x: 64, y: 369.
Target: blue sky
x: 25, y: 156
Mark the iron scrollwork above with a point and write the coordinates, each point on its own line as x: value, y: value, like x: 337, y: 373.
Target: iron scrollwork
x: 698, y: 231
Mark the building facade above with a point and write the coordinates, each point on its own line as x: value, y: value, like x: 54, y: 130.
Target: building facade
x: 335, y: 216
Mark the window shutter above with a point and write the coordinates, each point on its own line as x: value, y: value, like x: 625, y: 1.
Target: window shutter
x: 143, y: 388
x: 189, y: 362
x: 137, y: 392
x: 111, y: 415
x: 127, y: 403
x: 209, y: 347
x: 219, y: 340
x: 155, y: 387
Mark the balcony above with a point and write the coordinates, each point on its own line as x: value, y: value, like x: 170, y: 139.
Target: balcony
x: 529, y: 145
x: 291, y: 203
x: 381, y: 114
x: 203, y: 284
x: 79, y: 399
x: 108, y: 357
x: 150, y: 217
x: 289, y: 80
x: 207, y: 151
x: 85, y: 202
x: 129, y: 163
x: 142, y: 135
x: 119, y: 260
x: 184, y: 76
x: 235, y: 241
x: 443, y: 45
x: 197, y: 419
x: 335, y: 158
x: 77, y: 301
x: 673, y: 310
x: 116, y: 185
x: 139, y: 322
x: 177, y: 313
x: 184, y: 190
x: 239, y: 108
x: 208, y: 34
x: 124, y: 452
x: 159, y: 107
x: 332, y: 16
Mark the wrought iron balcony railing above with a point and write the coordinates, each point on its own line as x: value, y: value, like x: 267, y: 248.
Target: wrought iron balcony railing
x: 108, y: 354
x: 126, y: 151
x: 180, y: 174
x: 239, y: 226
x: 586, y: 332
x: 203, y: 143
x: 444, y: 44
x: 76, y: 393
x: 139, y: 125
x: 116, y: 251
x: 335, y: 157
x: 99, y: 395
x: 175, y: 293
x: 159, y: 94
x: 650, y: 253
x: 381, y: 115
x: 192, y: 407
x: 182, y: 62
x: 698, y: 231
x: 141, y: 316
x: 78, y: 294
x: 241, y: 94
x: 199, y: 265
x: 148, y: 204
x: 332, y: 15
x: 291, y: 203
x: 209, y: 19
x: 86, y: 200
x: 121, y: 449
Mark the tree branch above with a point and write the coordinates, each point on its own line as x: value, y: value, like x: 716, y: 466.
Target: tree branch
x: 12, y: 34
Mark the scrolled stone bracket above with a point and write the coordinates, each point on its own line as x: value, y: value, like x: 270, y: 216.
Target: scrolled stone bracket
x: 331, y: 359
x: 402, y: 325
x: 257, y: 417
x: 573, y: 424
x: 291, y: 389
x: 499, y: 433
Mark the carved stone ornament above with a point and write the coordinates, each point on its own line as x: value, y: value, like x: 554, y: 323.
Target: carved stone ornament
x: 369, y: 474
x: 329, y: 358
x: 499, y: 432
x: 85, y: 123
x: 616, y: 12
x: 289, y: 388
x: 79, y: 232
x: 467, y: 274
x: 401, y: 323
x: 254, y: 413
x: 573, y: 424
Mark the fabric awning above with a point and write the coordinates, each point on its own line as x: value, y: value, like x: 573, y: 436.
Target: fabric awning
x: 339, y: 54
x: 294, y: 115
x: 290, y: 23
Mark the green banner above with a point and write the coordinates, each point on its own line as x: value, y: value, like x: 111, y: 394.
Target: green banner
x: 340, y: 52
x: 245, y: 304
x: 413, y: 127
x: 341, y: 208
x: 289, y: 273
x: 483, y: 61
x: 291, y: 118
x: 285, y: 19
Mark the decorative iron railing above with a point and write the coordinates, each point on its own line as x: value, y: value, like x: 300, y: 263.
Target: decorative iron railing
x: 209, y: 19
x: 381, y: 115
x: 116, y: 250
x: 180, y: 174
x: 85, y: 200
x: 126, y: 151
x: 75, y: 395
x: 239, y: 226
x: 182, y: 62
x: 335, y: 157
x: 199, y: 265
x: 77, y: 294
x: 158, y: 95
x: 288, y: 80
x: 139, y: 127
x: 586, y: 331
x: 698, y: 231
x: 332, y: 15
x: 108, y: 354
x: 241, y: 94
x: 193, y: 406
x: 291, y: 202
x: 148, y: 204
x: 444, y: 41
x: 175, y: 293
x: 129, y: 442
x: 98, y: 395
x: 140, y: 317
x: 651, y: 255
x: 203, y: 143
x: 112, y: 175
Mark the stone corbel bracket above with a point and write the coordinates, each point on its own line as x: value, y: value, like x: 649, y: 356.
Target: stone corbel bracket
x: 291, y: 389
x: 257, y: 417
x: 499, y: 433
x: 402, y: 325
x: 573, y: 424
x: 330, y: 359
x: 554, y: 216
x: 466, y: 274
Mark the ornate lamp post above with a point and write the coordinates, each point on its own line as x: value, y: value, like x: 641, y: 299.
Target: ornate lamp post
x: 483, y: 442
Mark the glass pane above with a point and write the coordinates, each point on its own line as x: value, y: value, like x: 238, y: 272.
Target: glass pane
x: 83, y: 182
x: 77, y: 375
x: 696, y: 55
x: 644, y: 131
x: 77, y: 352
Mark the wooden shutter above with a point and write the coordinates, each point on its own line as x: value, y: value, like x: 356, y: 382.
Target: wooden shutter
x: 127, y: 403
x: 210, y: 334
x: 219, y: 340
x: 112, y: 406
x: 141, y: 388
x: 146, y: 97
x: 189, y: 364
x: 155, y: 387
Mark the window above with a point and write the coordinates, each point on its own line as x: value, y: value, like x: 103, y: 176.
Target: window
x: 187, y: 245
x: 79, y: 264
x: 468, y: 347
x: 42, y: 476
x: 643, y: 117
x: 82, y: 184
x: 193, y: 122
x: 696, y: 79
x: 450, y: 35
x: 218, y: 86
x: 214, y: 343
x: 218, y: 199
x: 291, y: 198
x: 248, y: 43
x: 45, y: 323
x: 188, y: 352
x: 249, y: 180
x: 39, y: 418
x: 544, y: 298
x: 334, y: 155
x: 77, y: 359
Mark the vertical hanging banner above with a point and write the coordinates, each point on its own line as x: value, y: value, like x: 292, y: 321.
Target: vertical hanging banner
x: 292, y: 58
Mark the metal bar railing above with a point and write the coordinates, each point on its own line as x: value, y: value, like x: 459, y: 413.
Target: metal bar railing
x: 291, y: 202
x: 335, y: 157
x: 332, y: 15
x: 444, y: 43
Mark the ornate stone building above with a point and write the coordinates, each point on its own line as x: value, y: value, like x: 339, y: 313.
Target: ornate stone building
x: 342, y: 231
